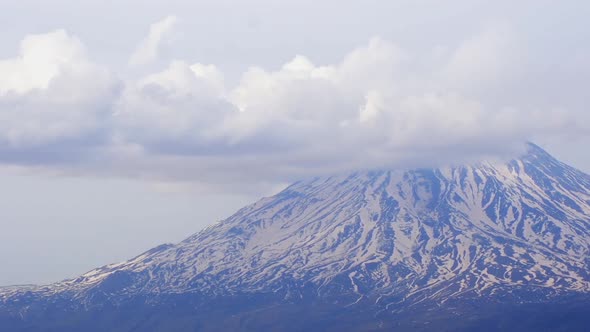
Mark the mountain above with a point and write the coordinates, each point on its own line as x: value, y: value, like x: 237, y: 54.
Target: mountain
x: 488, y: 246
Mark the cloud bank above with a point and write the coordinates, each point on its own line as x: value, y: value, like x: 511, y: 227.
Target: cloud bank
x: 380, y: 106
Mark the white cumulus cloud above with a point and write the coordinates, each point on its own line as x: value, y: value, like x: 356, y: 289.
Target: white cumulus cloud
x: 51, y: 93
x: 147, y: 50
x: 380, y: 106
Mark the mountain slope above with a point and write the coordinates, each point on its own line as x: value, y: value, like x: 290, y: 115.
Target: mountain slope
x: 383, y: 241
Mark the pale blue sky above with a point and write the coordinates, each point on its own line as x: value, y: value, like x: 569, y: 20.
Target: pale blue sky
x: 57, y: 227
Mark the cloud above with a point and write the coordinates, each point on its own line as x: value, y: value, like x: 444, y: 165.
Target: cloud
x: 485, y: 57
x: 40, y: 60
x: 380, y: 106
x: 51, y: 94
x: 147, y: 51
x: 182, y: 107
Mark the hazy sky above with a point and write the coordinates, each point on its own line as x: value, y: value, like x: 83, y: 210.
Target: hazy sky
x: 125, y: 124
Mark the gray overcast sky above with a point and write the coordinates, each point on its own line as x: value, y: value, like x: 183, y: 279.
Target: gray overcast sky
x: 125, y: 124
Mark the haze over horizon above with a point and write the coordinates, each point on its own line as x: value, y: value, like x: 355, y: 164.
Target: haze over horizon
x: 118, y: 132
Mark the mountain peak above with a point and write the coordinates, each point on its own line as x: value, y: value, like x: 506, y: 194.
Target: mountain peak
x: 535, y: 151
